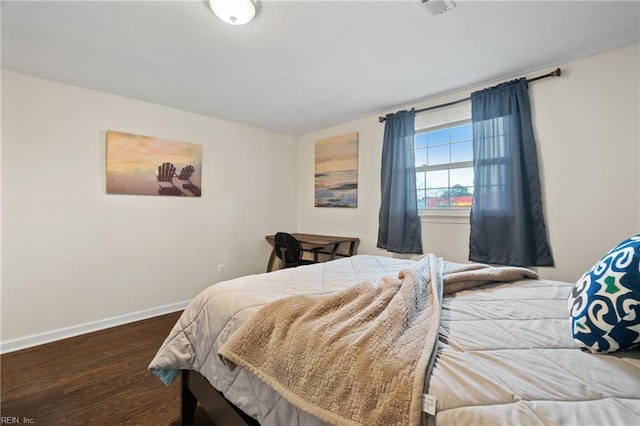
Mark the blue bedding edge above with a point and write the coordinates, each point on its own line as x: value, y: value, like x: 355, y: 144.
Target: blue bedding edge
x: 166, y: 375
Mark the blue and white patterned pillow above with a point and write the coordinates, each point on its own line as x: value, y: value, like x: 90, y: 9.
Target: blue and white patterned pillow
x: 604, y: 305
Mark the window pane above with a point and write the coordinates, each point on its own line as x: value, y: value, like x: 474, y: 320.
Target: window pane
x: 462, y: 133
x: 420, y: 140
x: 422, y: 199
x: 461, y: 192
x: 461, y: 151
x: 421, y: 157
x: 438, y: 137
x: 461, y: 201
x: 437, y: 198
x: 438, y: 179
x: 421, y: 180
x: 438, y: 155
x: 462, y: 177
x: 494, y: 173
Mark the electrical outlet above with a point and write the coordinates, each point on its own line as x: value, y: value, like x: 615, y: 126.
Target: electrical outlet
x: 221, y: 269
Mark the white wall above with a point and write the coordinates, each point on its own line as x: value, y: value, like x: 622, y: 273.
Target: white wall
x: 587, y: 129
x: 72, y: 254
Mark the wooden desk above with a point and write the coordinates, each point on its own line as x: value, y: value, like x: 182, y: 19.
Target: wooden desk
x: 330, y: 244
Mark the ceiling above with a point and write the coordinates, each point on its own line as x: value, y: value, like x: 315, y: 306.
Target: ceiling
x: 301, y: 65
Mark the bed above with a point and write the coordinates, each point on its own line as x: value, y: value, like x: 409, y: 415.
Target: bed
x: 502, y: 354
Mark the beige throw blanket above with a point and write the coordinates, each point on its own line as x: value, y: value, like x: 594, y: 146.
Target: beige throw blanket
x: 357, y: 357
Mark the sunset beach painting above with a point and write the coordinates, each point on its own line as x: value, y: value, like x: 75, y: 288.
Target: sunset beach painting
x: 336, y: 174
x: 143, y: 165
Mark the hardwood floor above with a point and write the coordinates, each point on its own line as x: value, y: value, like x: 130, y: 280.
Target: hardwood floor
x: 99, y: 378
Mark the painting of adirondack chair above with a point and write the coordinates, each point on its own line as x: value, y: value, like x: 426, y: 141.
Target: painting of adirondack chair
x: 144, y: 165
x: 165, y: 175
x: 183, y: 179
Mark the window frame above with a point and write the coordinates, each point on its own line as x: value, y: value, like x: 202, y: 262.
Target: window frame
x: 460, y: 116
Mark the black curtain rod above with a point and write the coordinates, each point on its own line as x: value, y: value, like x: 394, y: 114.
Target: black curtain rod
x: 555, y: 73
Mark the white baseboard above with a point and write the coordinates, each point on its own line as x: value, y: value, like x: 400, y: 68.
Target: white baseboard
x: 12, y: 345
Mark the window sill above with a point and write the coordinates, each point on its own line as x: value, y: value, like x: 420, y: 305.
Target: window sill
x: 445, y: 216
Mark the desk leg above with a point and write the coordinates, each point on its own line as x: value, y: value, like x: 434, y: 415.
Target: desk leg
x: 271, y: 259
x: 352, y: 246
x: 332, y: 256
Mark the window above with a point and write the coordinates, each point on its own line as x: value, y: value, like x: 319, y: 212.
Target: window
x: 444, y: 158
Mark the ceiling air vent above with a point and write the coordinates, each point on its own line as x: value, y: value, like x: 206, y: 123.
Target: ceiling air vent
x: 436, y: 7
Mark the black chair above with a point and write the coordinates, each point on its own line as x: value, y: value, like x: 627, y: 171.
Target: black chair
x: 290, y: 251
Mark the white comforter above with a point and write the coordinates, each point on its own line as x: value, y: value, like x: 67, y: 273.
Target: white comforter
x: 505, y: 354
x: 506, y: 357
x: 222, y: 308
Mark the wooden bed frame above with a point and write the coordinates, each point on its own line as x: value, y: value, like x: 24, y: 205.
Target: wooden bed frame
x: 196, y: 388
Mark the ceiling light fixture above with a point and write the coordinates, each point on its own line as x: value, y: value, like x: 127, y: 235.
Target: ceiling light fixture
x: 234, y: 12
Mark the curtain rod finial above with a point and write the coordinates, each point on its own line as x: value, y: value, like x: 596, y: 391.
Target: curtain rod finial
x: 381, y: 119
x: 556, y: 73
